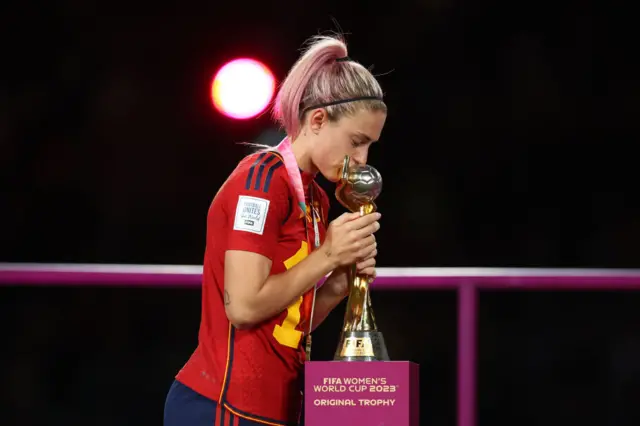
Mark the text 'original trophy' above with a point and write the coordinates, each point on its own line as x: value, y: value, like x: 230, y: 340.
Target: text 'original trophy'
x: 360, y: 339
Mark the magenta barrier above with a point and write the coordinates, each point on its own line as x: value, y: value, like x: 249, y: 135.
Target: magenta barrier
x: 466, y: 280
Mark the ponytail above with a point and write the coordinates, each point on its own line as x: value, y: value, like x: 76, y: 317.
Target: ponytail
x: 286, y: 109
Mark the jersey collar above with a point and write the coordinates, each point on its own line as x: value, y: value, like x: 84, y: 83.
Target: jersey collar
x: 307, y: 178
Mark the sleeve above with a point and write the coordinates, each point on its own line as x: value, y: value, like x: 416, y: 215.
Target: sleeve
x: 257, y: 206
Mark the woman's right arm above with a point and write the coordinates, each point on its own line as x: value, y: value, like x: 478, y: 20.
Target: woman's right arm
x: 256, y: 202
x: 252, y: 295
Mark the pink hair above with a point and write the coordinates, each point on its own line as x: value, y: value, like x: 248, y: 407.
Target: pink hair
x: 316, y: 77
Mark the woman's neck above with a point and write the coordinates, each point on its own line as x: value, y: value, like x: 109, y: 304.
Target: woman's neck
x: 301, y: 147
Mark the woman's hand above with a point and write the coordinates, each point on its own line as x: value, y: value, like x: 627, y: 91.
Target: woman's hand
x: 350, y: 240
x: 337, y: 283
x: 368, y: 266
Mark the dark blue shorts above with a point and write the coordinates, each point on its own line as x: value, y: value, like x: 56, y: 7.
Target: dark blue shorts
x: 184, y: 407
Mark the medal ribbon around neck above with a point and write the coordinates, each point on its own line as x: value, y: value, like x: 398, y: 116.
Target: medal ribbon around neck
x: 293, y: 170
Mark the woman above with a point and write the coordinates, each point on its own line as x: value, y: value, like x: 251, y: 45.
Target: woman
x: 268, y: 245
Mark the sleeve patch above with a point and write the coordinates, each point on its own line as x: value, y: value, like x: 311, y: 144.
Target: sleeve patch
x: 251, y: 214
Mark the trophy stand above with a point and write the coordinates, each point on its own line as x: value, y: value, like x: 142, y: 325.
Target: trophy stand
x: 360, y: 339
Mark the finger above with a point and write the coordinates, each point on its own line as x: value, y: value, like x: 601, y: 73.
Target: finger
x: 346, y: 217
x: 372, y: 272
x: 367, y: 245
x: 367, y: 253
x: 367, y: 263
x: 369, y: 273
x: 367, y: 231
x: 370, y: 239
x: 362, y: 221
x: 364, y: 265
x: 372, y: 255
x: 364, y: 244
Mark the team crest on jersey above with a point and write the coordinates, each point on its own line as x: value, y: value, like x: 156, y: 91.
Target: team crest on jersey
x: 316, y: 210
x: 251, y: 214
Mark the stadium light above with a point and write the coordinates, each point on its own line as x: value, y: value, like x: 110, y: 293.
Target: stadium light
x: 242, y: 88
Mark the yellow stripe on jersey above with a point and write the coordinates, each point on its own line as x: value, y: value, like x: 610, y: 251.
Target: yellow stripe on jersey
x: 286, y: 334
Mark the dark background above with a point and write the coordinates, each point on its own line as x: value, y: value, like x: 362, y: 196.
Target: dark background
x: 508, y: 143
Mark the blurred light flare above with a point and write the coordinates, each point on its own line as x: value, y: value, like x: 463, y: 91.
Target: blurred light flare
x: 242, y: 88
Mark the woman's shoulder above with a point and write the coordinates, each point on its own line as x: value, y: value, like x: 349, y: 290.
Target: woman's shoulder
x: 261, y: 171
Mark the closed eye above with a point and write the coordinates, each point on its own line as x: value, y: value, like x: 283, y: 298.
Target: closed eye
x: 361, y: 139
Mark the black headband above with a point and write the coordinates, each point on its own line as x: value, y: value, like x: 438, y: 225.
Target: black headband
x: 340, y: 101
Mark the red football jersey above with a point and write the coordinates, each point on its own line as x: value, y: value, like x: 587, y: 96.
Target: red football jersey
x: 255, y: 373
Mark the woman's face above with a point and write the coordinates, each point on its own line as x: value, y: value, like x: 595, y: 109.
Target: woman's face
x: 351, y: 135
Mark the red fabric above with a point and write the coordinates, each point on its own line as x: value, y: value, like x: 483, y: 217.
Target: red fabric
x: 255, y: 373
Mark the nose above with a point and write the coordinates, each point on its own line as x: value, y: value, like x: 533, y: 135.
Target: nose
x: 359, y: 158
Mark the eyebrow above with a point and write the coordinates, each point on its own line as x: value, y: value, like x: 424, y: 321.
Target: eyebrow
x: 363, y: 135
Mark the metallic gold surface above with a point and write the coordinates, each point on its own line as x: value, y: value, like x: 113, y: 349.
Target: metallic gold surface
x: 360, y: 340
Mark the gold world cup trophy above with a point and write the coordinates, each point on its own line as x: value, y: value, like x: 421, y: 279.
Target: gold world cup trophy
x: 360, y: 339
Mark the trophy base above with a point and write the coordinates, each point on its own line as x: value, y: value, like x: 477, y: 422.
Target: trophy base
x: 361, y: 346
x: 388, y: 394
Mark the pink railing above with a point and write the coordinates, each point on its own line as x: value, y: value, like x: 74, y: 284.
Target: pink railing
x: 466, y: 281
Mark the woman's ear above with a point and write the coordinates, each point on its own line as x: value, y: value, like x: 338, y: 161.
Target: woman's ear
x: 317, y: 119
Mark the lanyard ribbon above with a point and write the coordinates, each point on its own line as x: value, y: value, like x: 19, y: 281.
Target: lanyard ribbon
x: 291, y: 165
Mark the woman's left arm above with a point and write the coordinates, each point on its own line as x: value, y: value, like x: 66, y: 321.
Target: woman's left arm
x: 332, y: 292
x: 336, y: 288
